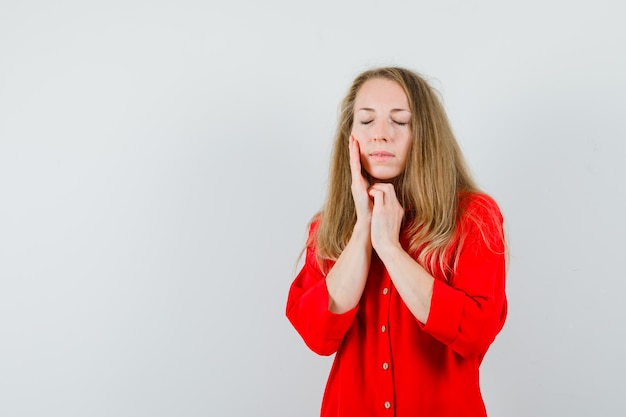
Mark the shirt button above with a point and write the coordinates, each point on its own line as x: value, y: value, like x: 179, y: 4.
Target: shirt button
x: 383, y: 328
x: 385, y: 291
x: 387, y: 405
x: 385, y: 366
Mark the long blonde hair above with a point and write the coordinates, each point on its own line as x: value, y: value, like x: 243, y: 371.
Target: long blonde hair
x: 430, y: 187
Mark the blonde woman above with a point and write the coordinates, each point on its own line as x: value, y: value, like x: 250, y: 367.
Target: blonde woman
x: 404, y: 273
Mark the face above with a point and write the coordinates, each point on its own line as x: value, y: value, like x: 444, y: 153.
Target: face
x: 382, y: 126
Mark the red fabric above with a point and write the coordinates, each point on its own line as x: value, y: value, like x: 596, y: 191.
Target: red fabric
x: 409, y: 368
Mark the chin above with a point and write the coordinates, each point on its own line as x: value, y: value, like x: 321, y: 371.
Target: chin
x: 383, y: 176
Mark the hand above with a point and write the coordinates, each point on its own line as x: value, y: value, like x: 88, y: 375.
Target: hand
x: 362, y: 200
x: 387, y: 216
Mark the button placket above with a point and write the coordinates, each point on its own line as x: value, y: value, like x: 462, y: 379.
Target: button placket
x: 387, y: 393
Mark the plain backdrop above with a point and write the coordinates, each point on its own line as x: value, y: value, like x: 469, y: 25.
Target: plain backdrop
x: 160, y: 160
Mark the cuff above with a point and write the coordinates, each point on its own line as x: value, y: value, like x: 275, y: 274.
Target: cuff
x: 333, y: 326
x: 446, y: 310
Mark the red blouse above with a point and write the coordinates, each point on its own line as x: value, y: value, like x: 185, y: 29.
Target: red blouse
x: 387, y: 362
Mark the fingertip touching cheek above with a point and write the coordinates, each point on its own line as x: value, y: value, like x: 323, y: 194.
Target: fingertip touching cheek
x: 382, y: 126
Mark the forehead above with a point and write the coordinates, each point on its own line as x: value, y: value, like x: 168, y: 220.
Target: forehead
x: 381, y: 92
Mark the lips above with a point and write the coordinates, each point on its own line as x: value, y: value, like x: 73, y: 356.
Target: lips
x: 381, y: 156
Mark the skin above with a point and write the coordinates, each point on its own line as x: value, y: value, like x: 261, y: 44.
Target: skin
x: 382, y: 122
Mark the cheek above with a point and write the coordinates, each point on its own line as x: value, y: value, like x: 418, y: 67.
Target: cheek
x: 357, y: 131
x: 406, y: 150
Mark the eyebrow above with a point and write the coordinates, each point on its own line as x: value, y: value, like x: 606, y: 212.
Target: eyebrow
x: 392, y: 110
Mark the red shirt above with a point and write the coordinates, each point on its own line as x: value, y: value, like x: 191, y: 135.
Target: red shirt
x: 387, y: 362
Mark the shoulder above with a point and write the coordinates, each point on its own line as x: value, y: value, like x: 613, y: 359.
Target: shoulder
x: 480, y: 205
x: 312, y: 237
x: 314, y: 226
x: 480, y: 219
x: 312, y: 256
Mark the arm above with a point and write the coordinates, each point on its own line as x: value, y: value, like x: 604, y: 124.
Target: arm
x: 323, y: 308
x: 346, y: 280
x: 307, y: 307
x: 468, y: 312
x: 414, y: 283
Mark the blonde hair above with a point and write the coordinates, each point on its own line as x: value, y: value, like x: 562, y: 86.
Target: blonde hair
x: 430, y: 188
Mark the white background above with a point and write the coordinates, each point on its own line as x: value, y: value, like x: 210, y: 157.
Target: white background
x: 159, y: 162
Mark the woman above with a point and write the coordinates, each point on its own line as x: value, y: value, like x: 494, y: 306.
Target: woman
x: 404, y: 275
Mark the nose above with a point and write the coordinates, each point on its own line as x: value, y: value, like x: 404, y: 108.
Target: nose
x: 382, y: 131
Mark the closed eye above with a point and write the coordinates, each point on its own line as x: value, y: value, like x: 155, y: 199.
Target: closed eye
x: 366, y: 122
x: 400, y: 123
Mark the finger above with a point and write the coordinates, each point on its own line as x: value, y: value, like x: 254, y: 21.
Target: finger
x: 355, y: 156
x: 388, y: 191
x: 378, y: 195
x: 356, y: 173
x: 384, y: 187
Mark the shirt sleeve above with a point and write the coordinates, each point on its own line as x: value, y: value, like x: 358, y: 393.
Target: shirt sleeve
x: 307, y: 307
x: 468, y: 312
